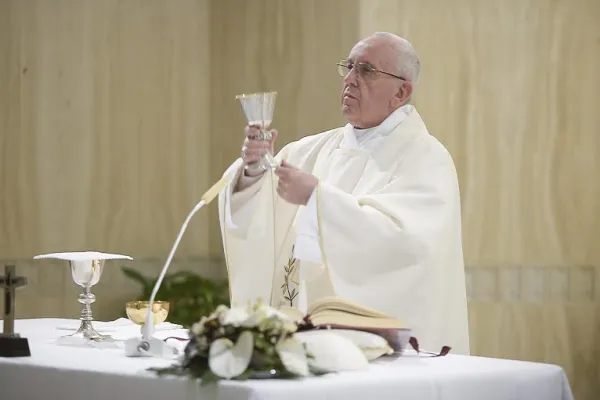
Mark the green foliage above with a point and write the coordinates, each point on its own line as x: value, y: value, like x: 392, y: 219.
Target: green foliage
x: 190, y: 295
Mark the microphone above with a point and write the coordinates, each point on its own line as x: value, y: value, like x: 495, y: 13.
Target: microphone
x: 148, y: 345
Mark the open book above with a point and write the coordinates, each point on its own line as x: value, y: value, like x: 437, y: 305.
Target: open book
x: 337, y: 312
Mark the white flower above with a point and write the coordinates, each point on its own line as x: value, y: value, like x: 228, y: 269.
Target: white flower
x: 202, y: 343
x: 331, y: 352
x: 220, y: 310
x: 262, y: 313
x: 290, y: 327
x: 198, y: 327
x: 252, y: 316
x: 236, y: 316
x: 293, y: 356
x: 227, y: 360
x: 273, y: 312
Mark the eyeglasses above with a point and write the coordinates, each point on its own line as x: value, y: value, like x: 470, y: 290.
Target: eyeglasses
x: 365, y: 70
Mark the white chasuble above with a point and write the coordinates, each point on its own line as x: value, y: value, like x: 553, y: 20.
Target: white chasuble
x: 386, y: 222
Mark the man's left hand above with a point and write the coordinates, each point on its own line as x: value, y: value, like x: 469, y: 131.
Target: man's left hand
x: 295, y: 186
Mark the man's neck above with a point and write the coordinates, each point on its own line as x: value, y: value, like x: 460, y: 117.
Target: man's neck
x: 361, y: 131
x: 371, y: 126
x: 388, y: 123
x: 358, y: 136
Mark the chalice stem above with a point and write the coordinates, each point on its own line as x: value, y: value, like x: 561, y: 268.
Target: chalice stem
x: 86, y: 329
x: 86, y: 299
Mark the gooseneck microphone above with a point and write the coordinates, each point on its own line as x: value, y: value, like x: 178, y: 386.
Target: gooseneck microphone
x: 148, y: 345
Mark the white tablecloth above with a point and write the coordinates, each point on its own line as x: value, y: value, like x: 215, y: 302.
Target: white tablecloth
x: 60, y: 372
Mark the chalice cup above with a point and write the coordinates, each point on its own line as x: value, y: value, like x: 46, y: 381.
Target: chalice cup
x: 258, y: 109
x: 86, y: 271
x: 137, y: 312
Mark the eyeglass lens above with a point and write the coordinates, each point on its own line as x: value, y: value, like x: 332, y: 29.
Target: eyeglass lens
x: 361, y: 69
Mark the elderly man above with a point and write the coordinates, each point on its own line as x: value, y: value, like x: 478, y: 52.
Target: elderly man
x: 369, y: 212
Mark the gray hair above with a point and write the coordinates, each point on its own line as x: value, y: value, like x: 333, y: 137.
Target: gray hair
x: 407, y: 62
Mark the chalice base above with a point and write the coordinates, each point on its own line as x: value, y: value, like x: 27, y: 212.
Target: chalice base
x: 85, y: 334
x: 87, y: 331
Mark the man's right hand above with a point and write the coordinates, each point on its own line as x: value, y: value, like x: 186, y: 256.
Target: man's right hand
x: 253, y: 149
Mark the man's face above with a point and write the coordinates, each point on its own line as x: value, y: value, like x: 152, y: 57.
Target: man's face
x: 369, y: 97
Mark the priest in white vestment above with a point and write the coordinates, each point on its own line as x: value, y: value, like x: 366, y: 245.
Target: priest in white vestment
x: 369, y: 212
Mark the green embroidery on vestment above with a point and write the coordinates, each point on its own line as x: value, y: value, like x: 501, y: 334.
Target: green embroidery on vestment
x: 289, y: 293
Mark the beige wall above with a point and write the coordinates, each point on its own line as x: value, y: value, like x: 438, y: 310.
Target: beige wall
x: 115, y: 116
x: 513, y: 89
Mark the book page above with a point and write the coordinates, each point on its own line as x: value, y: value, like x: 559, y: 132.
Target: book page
x: 340, y: 304
x: 341, y: 319
x: 294, y: 313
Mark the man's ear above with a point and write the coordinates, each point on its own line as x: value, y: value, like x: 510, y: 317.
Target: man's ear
x: 405, y: 91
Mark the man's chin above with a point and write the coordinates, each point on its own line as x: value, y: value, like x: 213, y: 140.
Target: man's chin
x: 349, y: 116
x: 349, y: 111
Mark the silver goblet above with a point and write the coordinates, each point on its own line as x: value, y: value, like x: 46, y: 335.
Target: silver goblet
x: 86, y: 271
x: 258, y: 109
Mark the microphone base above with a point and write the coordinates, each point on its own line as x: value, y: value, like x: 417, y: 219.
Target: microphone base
x: 140, y: 347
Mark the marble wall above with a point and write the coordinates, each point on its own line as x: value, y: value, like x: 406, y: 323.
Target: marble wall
x: 115, y: 116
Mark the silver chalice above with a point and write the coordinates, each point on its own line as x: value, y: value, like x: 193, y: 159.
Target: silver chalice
x: 258, y: 109
x: 86, y: 271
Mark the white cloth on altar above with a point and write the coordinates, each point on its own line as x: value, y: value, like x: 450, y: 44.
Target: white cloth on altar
x: 61, y: 372
x: 389, y: 230
x: 119, y: 329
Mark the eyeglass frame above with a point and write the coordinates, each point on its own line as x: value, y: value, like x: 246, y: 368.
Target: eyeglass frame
x: 370, y: 66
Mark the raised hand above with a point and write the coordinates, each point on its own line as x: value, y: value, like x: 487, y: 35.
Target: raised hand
x: 253, y: 149
x: 295, y: 186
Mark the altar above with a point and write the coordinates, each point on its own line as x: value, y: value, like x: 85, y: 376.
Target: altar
x: 66, y: 372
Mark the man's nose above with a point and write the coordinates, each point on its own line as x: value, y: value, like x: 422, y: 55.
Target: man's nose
x: 350, y: 78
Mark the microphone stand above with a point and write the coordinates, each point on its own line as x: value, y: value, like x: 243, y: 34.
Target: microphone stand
x: 148, y: 345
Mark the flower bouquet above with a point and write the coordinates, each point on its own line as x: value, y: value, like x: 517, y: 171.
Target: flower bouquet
x: 255, y: 341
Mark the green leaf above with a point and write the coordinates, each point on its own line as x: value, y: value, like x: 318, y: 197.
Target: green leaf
x: 137, y: 276
x: 172, y: 370
x: 317, y: 372
x: 208, y: 377
x: 244, y: 376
